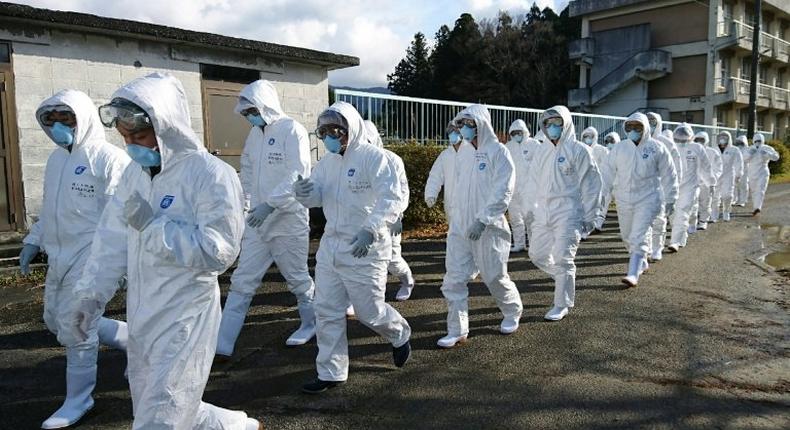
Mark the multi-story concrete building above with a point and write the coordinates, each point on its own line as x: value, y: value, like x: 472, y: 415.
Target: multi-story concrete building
x: 689, y: 60
x: 43, y: 51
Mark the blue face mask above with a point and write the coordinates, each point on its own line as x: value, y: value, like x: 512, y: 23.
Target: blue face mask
x: 62, y: 134
x: 332, y: 144
x: 518, y: 138
x: 256, y: 120
x: 468, y: 133
x: 554, y: 131
x: 589, y: 141
x: 145, y: 157
x: 635, y: 135
x: 454, y: 137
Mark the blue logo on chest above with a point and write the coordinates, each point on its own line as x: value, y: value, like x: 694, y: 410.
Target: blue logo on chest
x: 482, y: 166
x: 644, y: 156
x: 79, y: 170
x: 351, y: 172
x: 561, y: 159
x: 271, y: 141
x: 166, y: 202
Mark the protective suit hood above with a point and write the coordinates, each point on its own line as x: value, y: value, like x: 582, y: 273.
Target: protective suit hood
x: 613, y: 135
x: 704, y: 136
x: 519, y: 125
x: 568, y: 129
x: 759, y: 138
x: 89, y: 128
x: 642, y: 119
x: 590, y: 130
x: 485, y: 132
x: 685, y: 129
x: 163, y: 98
x: 743, y: 140
x: 659, y: 123
x: 357, y: 132
x: 263, y: 96
x: 374, y: 137
x: 729, y: 139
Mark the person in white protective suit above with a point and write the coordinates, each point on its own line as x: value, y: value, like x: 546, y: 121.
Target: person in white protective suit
x: 599, y: 154
x: 80, y: 177
x: 704, y: 210
x: 442, y: 174
x: 610, y: 141
x: 398, y: 267
x: 174, y: 223
x: 277, y: 231
x: 757, y: 158
x: 479, y: 235
x: 659, y: 228
x: 640, y: 172
x: 359, y: 190
x: 697, y: 169
x: 731, y: 172
x: 567, y: 199
x: 521, y: 147
x: 742, y: 186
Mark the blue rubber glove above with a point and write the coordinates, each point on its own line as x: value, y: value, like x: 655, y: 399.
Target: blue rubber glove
x: 138, y: 212
x: 476, y: 230
x: 361, y: 243
x: 259, y: 214
x: 397, y: 228
x: 302, y: 187
x: 27, y: 255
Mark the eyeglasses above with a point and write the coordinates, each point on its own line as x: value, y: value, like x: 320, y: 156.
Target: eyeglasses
x: 469, y: 122
x: 331, y: 130
x: 515, y: 133
x: 249, y: 111
x: 553, y: 121
x: 124, y: 113
x: 50, y: 117
x: 631, y: 126
x: 610, y: 140
x: 699, y: 140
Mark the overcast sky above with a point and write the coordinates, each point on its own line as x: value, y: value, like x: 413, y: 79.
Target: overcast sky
x: 376, y: 31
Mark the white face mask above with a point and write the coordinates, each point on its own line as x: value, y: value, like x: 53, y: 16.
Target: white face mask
x: 722, y: 141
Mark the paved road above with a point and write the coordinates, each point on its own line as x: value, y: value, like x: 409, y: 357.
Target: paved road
x: 701, y: 343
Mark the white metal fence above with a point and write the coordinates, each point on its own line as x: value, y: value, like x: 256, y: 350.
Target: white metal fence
x: 424, y: 121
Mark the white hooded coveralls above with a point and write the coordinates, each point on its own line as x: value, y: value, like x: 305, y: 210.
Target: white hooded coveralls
x: 742, y: 187
x: 357, y: 190
x: 518, y: 211
x: 731, y: 171
x: 568, y: 192
x: 697, y: 169
x: 272, y: 159
x: 173, y: 301
x: 704, y: 208
x: 659, y: 227
x: 398, y: 266
x: 642, y: 177
x: 606, y: 198
x: 599, y: 154
x: 484, y: 188
x: 757, y: 158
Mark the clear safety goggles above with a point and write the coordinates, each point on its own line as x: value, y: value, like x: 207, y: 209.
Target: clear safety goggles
x: 515, y: 133
x: 699, y: 140
x: 332, y: 130
x: 250, y: 111
x: 609, y: 140
x: 124, y: 113
x: 553, y: 121
x: 633, y: 126
x: 469, y: 122
x: 62, y: 114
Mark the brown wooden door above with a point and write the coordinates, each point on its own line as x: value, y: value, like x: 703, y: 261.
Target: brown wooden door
x: 10, y: 181
x: 225, y: 130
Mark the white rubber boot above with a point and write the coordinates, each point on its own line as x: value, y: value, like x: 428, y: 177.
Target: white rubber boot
x: 80, y: 382
x: 406, y: 286
x: 236, y: 307
x: 306, y: 330
x: 113, y: 333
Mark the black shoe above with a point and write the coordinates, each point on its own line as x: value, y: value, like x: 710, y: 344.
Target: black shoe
x: 401, y: 354
x: 756, y: 211
x: 318, y: 386
x: 597, y: 231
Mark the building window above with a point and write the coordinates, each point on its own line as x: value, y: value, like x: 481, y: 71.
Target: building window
x: 746, y: 68
x: 762, y: 74
x: 724, y: 69
x: 726, y: 8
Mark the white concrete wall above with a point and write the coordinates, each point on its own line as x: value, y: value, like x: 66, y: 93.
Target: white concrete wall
x: 98, y: 65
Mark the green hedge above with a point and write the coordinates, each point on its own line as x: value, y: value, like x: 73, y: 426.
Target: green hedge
x: 783, y: 164
x: 418, y: 160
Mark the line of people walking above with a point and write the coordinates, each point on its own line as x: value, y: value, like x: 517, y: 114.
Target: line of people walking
x: 165, y: 218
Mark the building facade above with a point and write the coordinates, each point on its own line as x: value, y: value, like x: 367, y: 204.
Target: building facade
x: 44, y: 51
x: 689, y: 60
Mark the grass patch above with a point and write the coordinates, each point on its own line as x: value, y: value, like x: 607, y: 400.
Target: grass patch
x: 15, y: 279
x: 782, y: 178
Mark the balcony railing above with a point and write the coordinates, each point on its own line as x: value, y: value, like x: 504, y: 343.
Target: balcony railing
x: 770, y: 45
x: 767, y: 95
